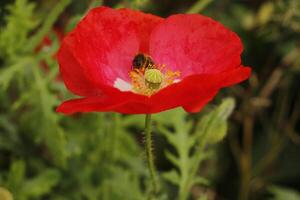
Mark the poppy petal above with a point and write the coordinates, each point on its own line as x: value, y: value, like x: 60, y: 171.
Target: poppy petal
x: 107, y: 41
x: 199, y: 104
x: 233, y: 77
x: 145, y: 25
x: 105, y: 45
x: 123, y: 102
x: 72, y: 72
x: 88, y: 104
x: 192, y: 93
x: 195, y: 44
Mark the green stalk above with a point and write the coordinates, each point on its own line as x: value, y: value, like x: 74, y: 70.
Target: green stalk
x: 47, y: 25
x: 149, y: 155
x: 199, y: 6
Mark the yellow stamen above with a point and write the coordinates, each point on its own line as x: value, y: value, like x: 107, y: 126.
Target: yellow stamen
x: 149, y: 81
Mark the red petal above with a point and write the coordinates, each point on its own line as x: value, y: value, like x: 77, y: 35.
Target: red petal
x: 195, y: 91
x: 192, y: 93
x: 145, y: 25
x: 88, y: 104
x: 107, y: 41
x: 105, y: 45
x: 195, y: 44
x: 72, y: 72
x: 225, y: 79
x: 199, y: 104
x: 123, y: 102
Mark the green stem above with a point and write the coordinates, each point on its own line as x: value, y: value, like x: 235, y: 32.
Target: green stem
x: 246, y: 159
x: 148, y: 148
x: 47, y: 25
x: 199, y: 6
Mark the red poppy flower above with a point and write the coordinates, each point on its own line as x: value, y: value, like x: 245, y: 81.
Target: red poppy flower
x: 131, y: 62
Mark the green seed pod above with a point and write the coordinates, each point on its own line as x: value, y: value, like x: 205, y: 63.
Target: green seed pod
x: 153, y: 78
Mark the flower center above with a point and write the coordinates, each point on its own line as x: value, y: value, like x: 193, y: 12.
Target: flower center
x: 147, y: 78
x: 153, y: 78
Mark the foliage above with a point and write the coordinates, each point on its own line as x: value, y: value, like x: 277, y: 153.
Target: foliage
x: 50, y: 156
x: 44, y: 155
x: 13, y: 36
x: 284, y: 193
x: 190, y: 142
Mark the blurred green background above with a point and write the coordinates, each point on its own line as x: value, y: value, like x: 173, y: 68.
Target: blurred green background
x: 44, y: 155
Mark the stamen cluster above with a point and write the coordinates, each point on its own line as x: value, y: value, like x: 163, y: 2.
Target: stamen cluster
x: 149, y: 81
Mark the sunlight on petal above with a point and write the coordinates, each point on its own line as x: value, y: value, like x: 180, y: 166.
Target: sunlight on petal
x: 122, y: 85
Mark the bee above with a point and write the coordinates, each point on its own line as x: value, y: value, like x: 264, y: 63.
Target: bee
x: 141, y: 62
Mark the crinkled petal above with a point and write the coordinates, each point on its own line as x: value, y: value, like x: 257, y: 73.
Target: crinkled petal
x: 123, y: 102
x: 192, y: 93
x: 107, y: 41
x: 197, y: 105
x: 195, y: 44
x: 145, y: 25
x: 224, y: 80
x: 72, y: 72
x: 90, y: 104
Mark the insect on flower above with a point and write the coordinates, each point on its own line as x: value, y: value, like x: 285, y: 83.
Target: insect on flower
x: 146, y: 77
x: 142, y: 61
x: 132, y: 62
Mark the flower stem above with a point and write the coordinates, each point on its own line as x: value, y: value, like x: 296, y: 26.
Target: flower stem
x: 148, y: 148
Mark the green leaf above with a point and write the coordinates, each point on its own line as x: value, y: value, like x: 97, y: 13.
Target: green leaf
x: 9, y: 73
x: 201, y: 181
x: 55, y: 139
x: 19, y: 23
x: 47, y: 25
x: 16, y: 175
x: 172, y: 176
x: 190, y: 146
x: 171, y: 157
x: 281, y: 193
x: 42, y: 184
x: 50, y: 131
